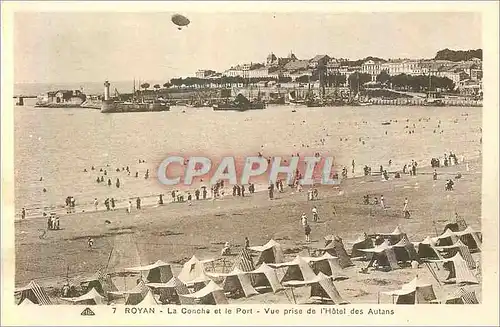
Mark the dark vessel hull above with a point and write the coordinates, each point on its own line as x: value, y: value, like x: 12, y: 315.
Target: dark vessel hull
x: 116, y: 107
x: 233, y: 107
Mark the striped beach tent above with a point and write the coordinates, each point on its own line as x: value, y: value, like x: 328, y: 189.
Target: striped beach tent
x: 451, y: 250
x: 471, y: 238
x: 34, y: 293
x: 244, y: 262
x: 463, y: 296
x: 459, y: 271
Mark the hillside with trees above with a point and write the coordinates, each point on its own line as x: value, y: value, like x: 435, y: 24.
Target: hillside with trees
x: 458, y: 55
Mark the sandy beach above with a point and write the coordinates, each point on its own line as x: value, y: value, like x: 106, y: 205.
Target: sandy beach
x: 175, y: 231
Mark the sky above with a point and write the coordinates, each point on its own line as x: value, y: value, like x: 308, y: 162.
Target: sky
x: 54, y: 47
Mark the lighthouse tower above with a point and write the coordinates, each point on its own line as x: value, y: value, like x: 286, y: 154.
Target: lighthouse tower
x: 106, y: 90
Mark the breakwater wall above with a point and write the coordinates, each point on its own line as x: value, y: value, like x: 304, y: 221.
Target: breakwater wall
x: 423, y: 102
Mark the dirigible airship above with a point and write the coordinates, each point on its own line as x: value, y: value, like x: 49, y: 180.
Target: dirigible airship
x: 180, y: 21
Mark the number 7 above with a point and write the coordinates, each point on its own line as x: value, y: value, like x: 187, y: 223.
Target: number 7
x: 114, y: 310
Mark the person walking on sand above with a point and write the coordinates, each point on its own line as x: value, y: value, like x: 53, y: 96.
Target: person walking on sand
x: 23, y: 213
x: 90, y: 243
x: 96, y: 204
x: 405, y: 207
x: 138, y: 203
x: 353, y: 164
x: 382, y: 204
x: 315, y: 214
x: 307, y: 231
x: 303, y: 219
x: 129, y: 207
x: 112, y: 204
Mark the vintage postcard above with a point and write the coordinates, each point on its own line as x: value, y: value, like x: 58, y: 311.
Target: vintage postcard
x: 250, y: 163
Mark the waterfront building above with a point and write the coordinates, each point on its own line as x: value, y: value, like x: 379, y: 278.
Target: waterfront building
x: 318, y: 61
x: 204, y: 73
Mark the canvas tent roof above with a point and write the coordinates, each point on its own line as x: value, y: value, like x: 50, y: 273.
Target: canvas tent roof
x: 26, y: 301
x: 471, y: 238
x: 268, y: 245
x: 328, y: 265
x: 270, y: 275
x: 270, y: 252
x: 464, y: 251
x: 172, y: 283
x: 91, y: 295
x: 148, y: 300
x: 414, y: 292
x: 463, y: 296
x: 157, y: 264
x: 322, y: 287
x: 193, y: 271
x: 237, y: 283
x: 379, y: 248
x: 297, y: 269
x: 236, y: 271
x: 35, y: 293
x: 447, y: 233
x: 384, y: 255
x: 363, y: 242
x: 211, y: 289
x: 460, y: 271
x: 171, y: 290
x: 405, y: 250
x: 395, y: 232
x: 336, y: 247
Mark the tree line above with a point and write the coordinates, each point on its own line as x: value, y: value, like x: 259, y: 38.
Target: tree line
x: 458, y: 55
x: 416, y: 83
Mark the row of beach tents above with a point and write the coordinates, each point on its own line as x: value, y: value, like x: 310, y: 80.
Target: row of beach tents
x: 196, y: 284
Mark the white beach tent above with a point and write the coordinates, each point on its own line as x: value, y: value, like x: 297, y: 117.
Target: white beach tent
x: 170, y: 291
x: 158, y: 272
x: 297, y: 269
x: 210, y: 294
x: 270, y: 252
x: 459, y: 272
x: 236, y: 282
x: 193, y: 271
x: 384, y: 255
x: 426, y: 249
x: 26, y: 301
x: 35, y: 293
x: 265, y: 277
x: 322, y: 289
x: 414, y: 292
x: 460, y: 247
x: 447, y: 238
x: 92, y: 297
x: 148, y: 300
x: 328, y: 265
